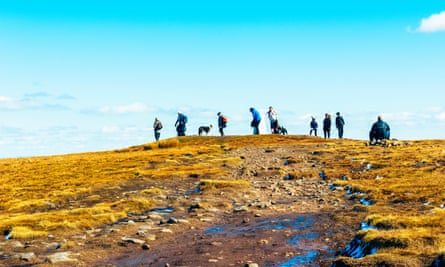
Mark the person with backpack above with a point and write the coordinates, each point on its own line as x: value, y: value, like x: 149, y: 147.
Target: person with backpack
x: 273, y: 118
x: 339, y: 123
x: 222, y: 123
x: 180, y: 124
x: 379, y: 131
x: 256, y: 119
x: 157, y: 126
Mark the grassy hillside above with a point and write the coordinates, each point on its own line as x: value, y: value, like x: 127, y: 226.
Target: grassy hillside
x: 402, y: 184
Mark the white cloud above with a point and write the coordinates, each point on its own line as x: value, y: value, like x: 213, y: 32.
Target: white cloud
x: 433, y: 23
x: 441, y: 116
x: 132, y: 108
x: 111, y: 129
x: 8, y: 103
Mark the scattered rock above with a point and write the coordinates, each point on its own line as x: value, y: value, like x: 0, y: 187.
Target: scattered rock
x: 61, y: 257
x: 133, y: 240
x: 26, y: 256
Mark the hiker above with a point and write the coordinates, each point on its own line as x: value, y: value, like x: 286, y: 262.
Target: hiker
x: 339, y: 123
x: 327, y: 126
x: 314, y: 126
x: 379, y: 131
x: 256, y: 119
x: 157, y: 126
x: 222, y: 123
x: 180, y: 123
x: 273, y: 118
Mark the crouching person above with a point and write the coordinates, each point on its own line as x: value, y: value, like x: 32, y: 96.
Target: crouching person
x: 380, y: 131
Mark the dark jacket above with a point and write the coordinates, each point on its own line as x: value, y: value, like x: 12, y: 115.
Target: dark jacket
x: 314, y: 124
x: 327, y: 124
x: 379, y: 131
x: 339, y: 122
x: 221, y: 123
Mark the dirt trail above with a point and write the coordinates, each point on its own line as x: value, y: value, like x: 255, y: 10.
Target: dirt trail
x: 280, y: 221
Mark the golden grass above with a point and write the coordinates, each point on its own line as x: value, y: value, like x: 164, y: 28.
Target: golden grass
x: 78, y: 191
x: 218, y: 184
x: 23, y: 232
x: 42, y: 195
x: 406, y: 182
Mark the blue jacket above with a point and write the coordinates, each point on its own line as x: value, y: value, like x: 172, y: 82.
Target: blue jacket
x: 256, y: 115
x: 180, y: 122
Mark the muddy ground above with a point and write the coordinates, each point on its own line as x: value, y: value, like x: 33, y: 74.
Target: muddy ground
x: 279, y: 221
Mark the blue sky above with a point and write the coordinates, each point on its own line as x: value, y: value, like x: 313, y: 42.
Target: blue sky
x: 92, y: 75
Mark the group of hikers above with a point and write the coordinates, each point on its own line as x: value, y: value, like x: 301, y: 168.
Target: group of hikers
x: 379, y: 132
x: 339, y: 124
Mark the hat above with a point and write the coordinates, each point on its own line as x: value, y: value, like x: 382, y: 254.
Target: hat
x: 219, y: 113
x: 338, y: 113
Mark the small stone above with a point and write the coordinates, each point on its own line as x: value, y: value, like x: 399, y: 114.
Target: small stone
x: 133, y: 240
x: 27, y: 256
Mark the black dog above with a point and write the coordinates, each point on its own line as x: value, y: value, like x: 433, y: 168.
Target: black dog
x: 282, y: 130
x: 204, y: 129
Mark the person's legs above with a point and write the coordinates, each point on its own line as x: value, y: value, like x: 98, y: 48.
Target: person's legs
x: 256, y: 130
x: 340, y: 132
x: 157, y: 135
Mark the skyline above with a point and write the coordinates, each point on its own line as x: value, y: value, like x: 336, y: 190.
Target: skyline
x: 92, y: 75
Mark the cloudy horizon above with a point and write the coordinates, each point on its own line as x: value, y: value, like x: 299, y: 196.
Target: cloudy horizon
x: 83, y: 76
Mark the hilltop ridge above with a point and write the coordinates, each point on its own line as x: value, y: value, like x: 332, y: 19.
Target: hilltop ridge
x: 236, y: 200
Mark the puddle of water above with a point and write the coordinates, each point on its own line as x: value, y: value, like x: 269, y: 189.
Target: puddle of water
x: 366, y: 202
x: 214, y: 230
x: 295, y: 240
x: 196, y: 190
x: 366, y: 226
x: 300, y: 223
x: 302, y: 260
x: 163, y: 210
x: 333, y: 187
x: 278, y: 223
x: 323, y: 175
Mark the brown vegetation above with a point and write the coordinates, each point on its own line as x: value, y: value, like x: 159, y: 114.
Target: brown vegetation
x: 403, y: 181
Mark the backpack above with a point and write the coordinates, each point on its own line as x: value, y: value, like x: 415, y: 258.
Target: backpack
x: 183, y: 120
x: 224, y: 119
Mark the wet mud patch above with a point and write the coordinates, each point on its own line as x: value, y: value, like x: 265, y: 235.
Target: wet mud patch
x: 284, y: 240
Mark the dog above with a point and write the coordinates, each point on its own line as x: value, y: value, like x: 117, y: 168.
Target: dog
x: 282, y: 130
x: 204, y: 130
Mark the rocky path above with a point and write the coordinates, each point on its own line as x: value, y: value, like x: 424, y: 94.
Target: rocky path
x: 283, y: 219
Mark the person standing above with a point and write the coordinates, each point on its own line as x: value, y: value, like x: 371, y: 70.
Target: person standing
x: 256, y: 119
x: 327, y: 125
x: 222, y: 123
x: 157, y: 126
x: 339, y: 123
x: 180, y: 124
x: 273, y: 118
x: 314, y: 126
